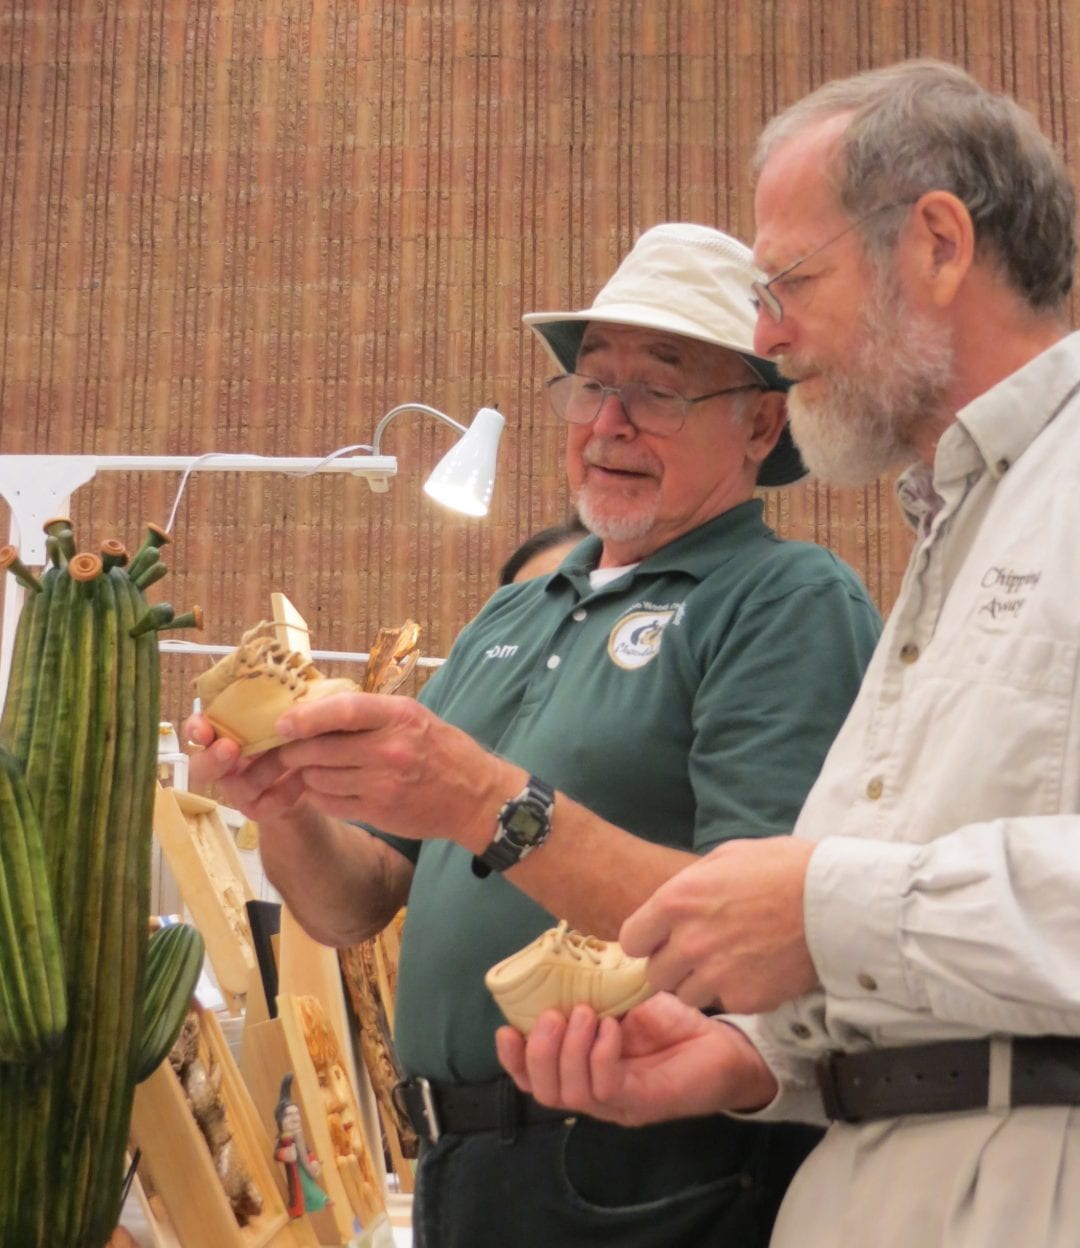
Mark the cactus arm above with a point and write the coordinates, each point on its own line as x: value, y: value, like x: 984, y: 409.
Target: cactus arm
x: 173, y: 961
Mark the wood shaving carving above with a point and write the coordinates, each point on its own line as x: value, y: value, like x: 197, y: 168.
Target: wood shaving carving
x: 393, y: 656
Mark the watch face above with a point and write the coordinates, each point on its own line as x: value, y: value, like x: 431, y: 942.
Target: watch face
x: 524, y: 825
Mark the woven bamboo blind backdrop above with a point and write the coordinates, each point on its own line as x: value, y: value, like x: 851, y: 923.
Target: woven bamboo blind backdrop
x: 256, y: 226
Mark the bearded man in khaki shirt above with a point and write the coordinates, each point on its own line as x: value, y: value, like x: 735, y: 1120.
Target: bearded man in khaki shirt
x: 907, y: 965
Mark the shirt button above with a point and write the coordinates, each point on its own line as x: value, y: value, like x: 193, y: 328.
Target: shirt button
x: 875, y: 788
x: 866, y: 981
x: 800, y: 1031
x: 580, y: 614
x: 1001, y: 467
x: 909, y: 652
x: 553, y: 662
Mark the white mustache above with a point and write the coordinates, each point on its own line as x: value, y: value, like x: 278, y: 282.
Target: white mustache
x: 600, y: 459
x: 795, y: 368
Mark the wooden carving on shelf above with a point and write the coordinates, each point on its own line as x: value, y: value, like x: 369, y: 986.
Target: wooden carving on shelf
x: 325, y: 1094
x: 206, y: 866
x: 204, y: 1149
x: 301, y: 1165
x: 200, y: 1075
x: 370, y: 968
x: 369, y: 975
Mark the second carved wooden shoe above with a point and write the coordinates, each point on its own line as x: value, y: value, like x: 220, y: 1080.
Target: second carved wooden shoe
x: 561, y: 969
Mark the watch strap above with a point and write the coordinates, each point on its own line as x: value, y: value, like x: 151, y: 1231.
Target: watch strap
x: 504, y: 853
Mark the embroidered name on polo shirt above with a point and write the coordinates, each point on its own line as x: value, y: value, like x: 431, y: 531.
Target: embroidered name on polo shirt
x: 1009, y: 591
x: 500, y: 652
x: 635, y: 639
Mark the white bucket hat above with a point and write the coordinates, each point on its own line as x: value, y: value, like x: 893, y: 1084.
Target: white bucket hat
x: 686, y: 279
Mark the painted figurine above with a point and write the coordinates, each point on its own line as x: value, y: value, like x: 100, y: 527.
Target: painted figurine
x: 301, y: 1165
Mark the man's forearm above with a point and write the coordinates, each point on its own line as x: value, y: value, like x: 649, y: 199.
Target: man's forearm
x: 592, y: 873
x: 341, y: 883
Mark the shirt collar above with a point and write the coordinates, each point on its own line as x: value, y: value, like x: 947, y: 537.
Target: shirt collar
x: 994, y: 429
x: 698, y: 553
x: 1005, y: 420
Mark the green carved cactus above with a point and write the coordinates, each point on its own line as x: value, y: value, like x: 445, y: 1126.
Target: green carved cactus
x: 84, y: 1012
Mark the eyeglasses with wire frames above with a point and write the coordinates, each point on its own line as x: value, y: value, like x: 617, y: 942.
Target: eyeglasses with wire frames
x: 764, y: 297
x: 650, y: 409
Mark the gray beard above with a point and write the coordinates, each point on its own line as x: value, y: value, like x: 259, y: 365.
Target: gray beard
x: 622, y: 528
x: 867, y: 419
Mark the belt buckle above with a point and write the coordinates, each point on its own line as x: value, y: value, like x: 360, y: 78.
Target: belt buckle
x: 430, y: 1116
x: 431, y: 1128
x: 829, y: 1086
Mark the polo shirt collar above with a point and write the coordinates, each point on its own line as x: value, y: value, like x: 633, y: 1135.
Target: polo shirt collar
x: 697, y: 553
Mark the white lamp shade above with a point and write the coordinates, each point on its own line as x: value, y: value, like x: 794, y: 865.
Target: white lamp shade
x: 465, y: 476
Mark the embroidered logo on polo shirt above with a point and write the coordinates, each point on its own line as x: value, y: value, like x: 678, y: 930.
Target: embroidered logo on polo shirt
x: 635, y: 639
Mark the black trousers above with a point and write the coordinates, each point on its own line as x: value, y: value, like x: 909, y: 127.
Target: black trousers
x: 698, y: 1183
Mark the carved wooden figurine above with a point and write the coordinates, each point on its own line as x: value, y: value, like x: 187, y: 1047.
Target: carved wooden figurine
x: 301, y: 1165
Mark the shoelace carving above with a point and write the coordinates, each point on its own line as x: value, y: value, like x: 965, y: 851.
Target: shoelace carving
x: 259, y: 652
x: 565, y: 938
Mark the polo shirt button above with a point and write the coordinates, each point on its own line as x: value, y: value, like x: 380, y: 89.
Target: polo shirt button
x: 909, y: 652
x: 875, y: 788
x: 580, y: 614
x: 866, y: 981
x: 800, y: 1031
x: 554, y: 662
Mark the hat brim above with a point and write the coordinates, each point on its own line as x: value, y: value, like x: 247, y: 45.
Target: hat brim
x: 562, y: 332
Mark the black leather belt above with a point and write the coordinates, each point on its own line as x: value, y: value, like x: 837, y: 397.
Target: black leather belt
x: 436, y: 1108
x: 954, y: 1076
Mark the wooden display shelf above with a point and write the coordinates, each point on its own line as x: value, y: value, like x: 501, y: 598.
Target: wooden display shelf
x: 207, y: 868
x: 178, y: 1160
x: 307, y: 968
x: 274, y: 1047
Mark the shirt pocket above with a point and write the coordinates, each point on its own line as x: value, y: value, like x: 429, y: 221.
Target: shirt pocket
x: 985, y: 730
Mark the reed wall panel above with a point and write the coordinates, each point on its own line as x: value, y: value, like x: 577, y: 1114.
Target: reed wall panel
x: 255, y: 226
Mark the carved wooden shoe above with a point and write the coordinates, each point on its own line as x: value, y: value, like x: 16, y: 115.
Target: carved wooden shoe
x: 244, y: 694
x: 563, y: 968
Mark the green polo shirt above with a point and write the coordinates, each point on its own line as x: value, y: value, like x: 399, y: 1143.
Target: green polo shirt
x: 690, y: 701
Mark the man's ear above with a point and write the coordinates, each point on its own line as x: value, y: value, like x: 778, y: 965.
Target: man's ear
x: 940, y: 241
x: 765, y: 424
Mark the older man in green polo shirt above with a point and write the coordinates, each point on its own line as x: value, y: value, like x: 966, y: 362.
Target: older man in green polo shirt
x: 675, y: 684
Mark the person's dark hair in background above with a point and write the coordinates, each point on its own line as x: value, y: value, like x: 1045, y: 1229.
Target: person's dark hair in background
x: 558, y: 540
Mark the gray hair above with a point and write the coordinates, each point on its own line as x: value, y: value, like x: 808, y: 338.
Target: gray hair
x: 924, y: 125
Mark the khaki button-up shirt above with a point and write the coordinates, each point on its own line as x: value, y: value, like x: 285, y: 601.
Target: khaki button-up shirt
x: 944, y: 897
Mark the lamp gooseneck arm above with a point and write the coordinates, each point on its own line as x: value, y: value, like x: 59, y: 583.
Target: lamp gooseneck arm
x: 376, y: 441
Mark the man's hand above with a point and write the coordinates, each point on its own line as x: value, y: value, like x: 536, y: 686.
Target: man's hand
x: 728, y: 930
x: 391, y: 762
x: 340, y: 882
x: 261, y: 787
x: 663, y: 1060
x: 371, y: 758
